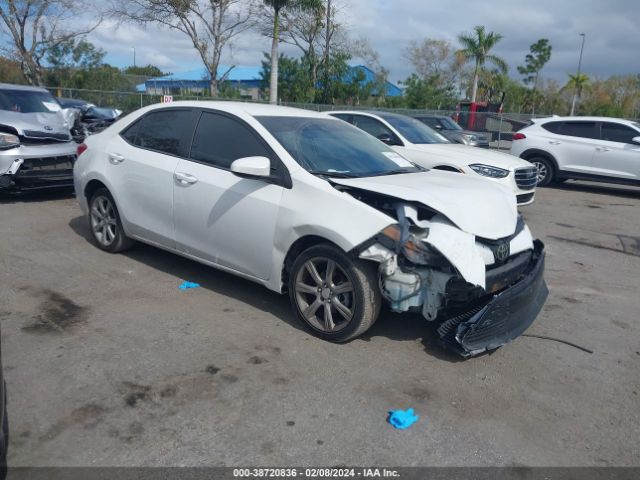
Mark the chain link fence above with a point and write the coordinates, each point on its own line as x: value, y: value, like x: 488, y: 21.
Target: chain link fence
x: 497, y: 127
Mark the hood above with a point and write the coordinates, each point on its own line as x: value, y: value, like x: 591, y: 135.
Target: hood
x: 55, y: 124
x: 458, y: 153
x: 474, y: 205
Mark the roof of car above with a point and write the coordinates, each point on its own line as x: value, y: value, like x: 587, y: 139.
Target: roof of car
x: 585, y: 119
x: 376, y: 113
x: 253, y: 109
x: 9, y: 86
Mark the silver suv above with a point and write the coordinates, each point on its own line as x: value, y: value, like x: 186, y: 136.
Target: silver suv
x: 36, y: 148
x: 598, y: 149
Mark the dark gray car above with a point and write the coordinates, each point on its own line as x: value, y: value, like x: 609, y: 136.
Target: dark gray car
x: 454, y: 132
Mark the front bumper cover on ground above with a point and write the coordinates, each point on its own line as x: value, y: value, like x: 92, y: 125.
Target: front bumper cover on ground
x: 501, y: 318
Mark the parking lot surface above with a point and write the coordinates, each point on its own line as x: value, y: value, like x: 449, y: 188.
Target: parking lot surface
x: 109, y: 363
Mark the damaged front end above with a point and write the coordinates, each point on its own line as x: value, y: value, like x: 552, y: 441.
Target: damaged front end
x: 483, y: 293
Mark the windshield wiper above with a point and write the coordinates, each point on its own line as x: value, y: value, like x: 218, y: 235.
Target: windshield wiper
x: 333, y: 174
x: 400, y: 171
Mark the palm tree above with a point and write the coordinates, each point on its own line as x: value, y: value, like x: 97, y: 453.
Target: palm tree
x: 278, y: 6
x: 577, y: 83
x: 476, y: 47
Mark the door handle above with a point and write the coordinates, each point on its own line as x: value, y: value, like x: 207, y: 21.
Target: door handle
x: 602, y: 149
x: 184, y: 178
x: 554, y: 142
x: 116, y: 158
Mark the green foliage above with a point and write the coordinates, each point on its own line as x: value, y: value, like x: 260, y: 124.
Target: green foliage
x: 477, y: 45
x: 535, y: 61
x: 429, y: 93
x: 293, y: 79
x: 146, y: 71
x: 577, y: 83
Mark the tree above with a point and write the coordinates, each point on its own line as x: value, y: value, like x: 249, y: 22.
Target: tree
x: 34, y: 27
x: 293, y: 79
x: 534, y: 62
x: 209, y: 24
x: 67, y: 58
x: 277, y: 6
x: 428, y: 93
x: 434, y: 58
x: 146, y: 71
x: 577, y: 83
x: 476, y: 48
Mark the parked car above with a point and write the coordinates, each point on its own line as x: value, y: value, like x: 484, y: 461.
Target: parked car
x: 430, y: 149
x: 4, y: 423
x: 306, y: 204
x: 454, y: 132
x: 92, y: 119
x: 600, y: 149
x: 36, y: 148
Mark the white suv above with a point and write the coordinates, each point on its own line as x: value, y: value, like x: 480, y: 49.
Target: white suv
x: 582, y: 148
x: 426, y: 147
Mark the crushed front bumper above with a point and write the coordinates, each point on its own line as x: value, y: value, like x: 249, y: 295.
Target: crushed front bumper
x: 31, y: 167
x: 499, y: 318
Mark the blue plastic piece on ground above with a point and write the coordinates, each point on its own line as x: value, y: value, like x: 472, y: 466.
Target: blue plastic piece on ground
x: 402, y: 419
x: 188, y: 285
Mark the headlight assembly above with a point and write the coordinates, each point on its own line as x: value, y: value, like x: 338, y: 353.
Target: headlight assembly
x: 470, y: 137
x: 412, y: 247
x: 8, y: 140
x: 489, y: 171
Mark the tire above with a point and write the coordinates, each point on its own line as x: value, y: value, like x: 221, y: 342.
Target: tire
x: 546, y: 170
x: 351, y: 293
x: 105, y: 224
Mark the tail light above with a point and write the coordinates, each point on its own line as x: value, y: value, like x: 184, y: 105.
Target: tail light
x: 519, y: 136
x: 81, y: 149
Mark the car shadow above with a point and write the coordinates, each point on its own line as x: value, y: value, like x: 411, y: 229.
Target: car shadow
x: 36, y: 196
x: 607, y: 189
x: 398, y: 327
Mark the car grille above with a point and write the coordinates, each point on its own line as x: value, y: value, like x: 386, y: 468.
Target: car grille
x: 38, y: 166
x: 527, y: 177
x: 35, y: 135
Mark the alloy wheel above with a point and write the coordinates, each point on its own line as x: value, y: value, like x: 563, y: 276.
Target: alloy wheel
x: 542, y: 171
x: 103, y: 220
x: 324, y: 294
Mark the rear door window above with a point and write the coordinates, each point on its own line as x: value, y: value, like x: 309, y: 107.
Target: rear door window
x: 579, y: 129
x: 616, y: 132
x: 164, y: 131
x: 552, y: 127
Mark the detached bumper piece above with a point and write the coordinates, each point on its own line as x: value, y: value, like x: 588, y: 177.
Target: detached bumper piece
x: 505, y: 316
x: 37, y: 173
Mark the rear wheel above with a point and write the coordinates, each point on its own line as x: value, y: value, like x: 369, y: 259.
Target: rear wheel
x: 105, y: 223
x: 546, y: 170
x: 336, y: 296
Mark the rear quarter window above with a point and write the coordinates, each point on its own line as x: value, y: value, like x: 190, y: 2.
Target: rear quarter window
x: 552, y: 127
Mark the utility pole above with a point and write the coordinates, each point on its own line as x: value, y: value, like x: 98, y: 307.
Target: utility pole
x: 326, y: 52
x: 134, y: 56
x: 575, y: 93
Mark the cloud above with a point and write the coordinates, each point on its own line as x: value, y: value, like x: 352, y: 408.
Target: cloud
x: 612, y: 29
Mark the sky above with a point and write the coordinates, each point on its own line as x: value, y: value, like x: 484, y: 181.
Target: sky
x: 612, y: 28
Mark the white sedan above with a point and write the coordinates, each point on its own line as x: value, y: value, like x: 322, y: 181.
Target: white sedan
x: 428, y: 148
x: 306, y: 204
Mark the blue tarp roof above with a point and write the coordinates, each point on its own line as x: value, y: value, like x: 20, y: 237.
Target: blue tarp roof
x: 199, y: 78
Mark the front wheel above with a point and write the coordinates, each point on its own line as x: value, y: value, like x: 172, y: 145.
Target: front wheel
x: 546, y: 170
x: 336, y: 296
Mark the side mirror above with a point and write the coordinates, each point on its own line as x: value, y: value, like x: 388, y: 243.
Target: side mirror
x: 387, y: 138
x: 636, y: 140
x: 252, y: 167
x: 438, y: 127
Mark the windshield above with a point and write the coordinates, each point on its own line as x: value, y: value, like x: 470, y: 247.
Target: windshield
x: 414, y: 130
x: 334, y: 148
x: 449, y: 124
x: 26, y: 101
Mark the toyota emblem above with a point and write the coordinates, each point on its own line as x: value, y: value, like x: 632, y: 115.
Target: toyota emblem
x: 502, y: 252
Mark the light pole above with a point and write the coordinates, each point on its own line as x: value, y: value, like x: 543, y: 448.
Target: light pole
x: 134, y: 56
x: 575, y: 93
